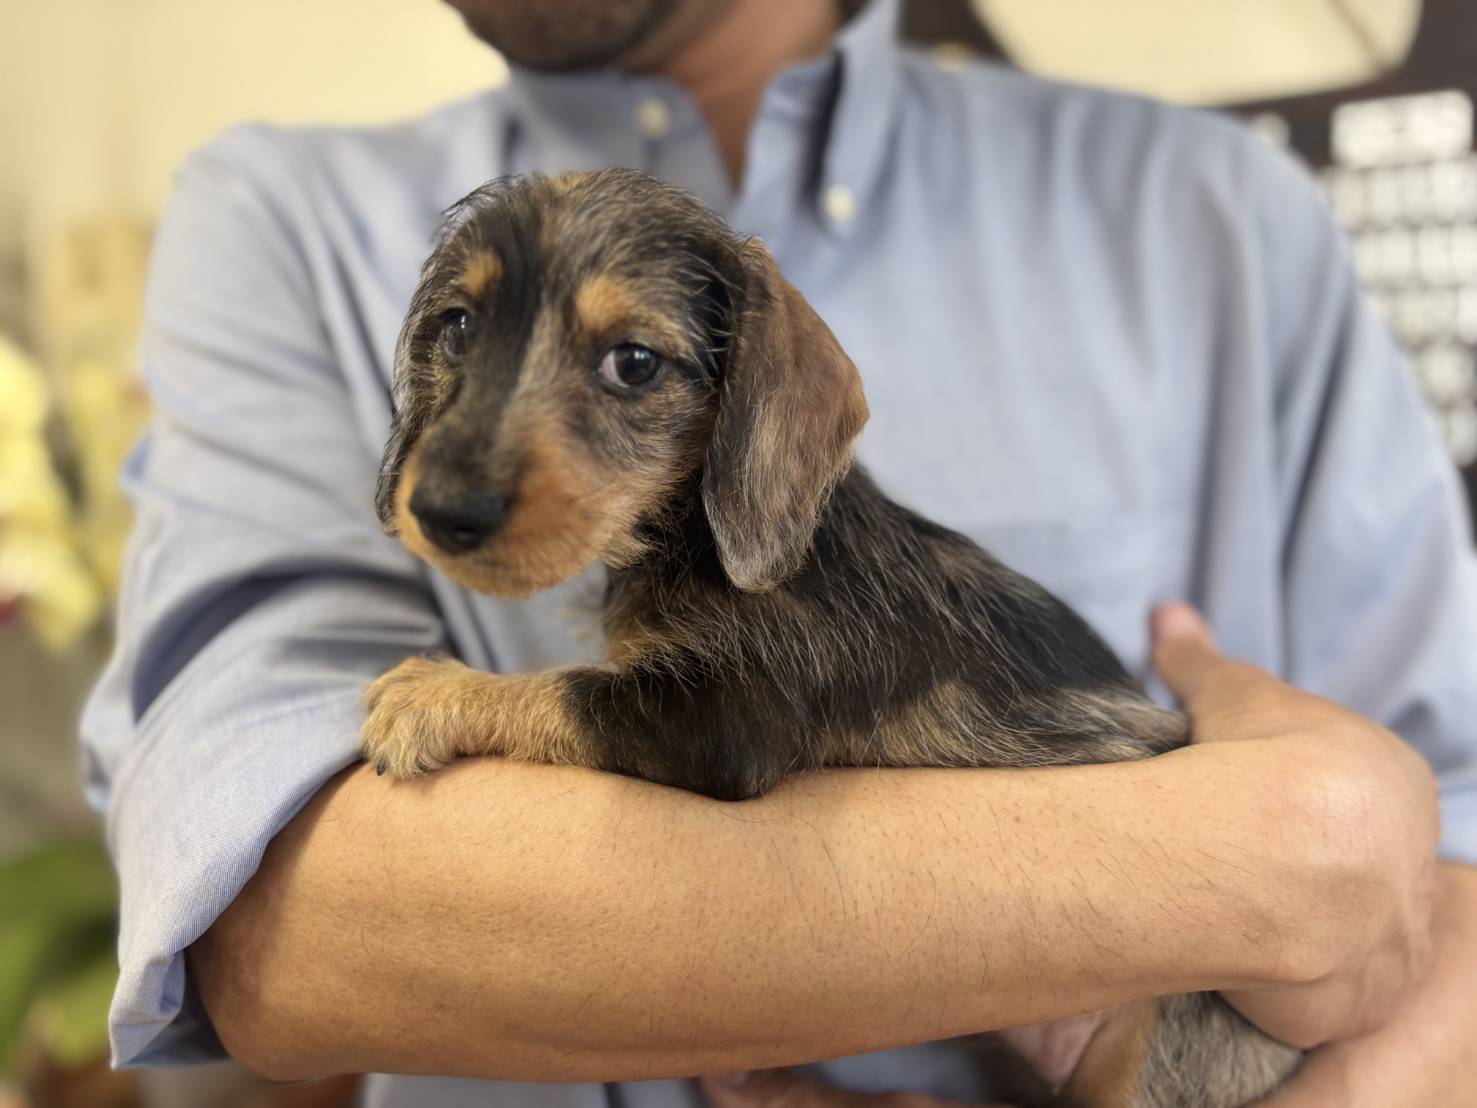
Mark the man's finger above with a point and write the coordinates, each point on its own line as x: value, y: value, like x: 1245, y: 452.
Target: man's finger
x: 1210, y: 685
x: 1185, y: 654
x: 1321, y: 1082
x: 787, y: 1088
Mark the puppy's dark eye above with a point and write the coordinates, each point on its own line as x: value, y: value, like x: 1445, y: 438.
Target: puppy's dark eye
x: 629, y: 366
x: 456, y: 332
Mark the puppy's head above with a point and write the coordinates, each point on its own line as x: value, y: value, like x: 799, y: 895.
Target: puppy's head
x: 582, y: 353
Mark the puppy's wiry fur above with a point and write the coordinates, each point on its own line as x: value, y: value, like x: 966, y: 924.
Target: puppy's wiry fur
x: 769, y: 610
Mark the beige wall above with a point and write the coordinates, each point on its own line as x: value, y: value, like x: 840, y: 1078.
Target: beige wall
x: 99, y: 99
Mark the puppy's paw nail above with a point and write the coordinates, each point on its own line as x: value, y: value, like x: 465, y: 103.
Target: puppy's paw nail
x: 380, y: 767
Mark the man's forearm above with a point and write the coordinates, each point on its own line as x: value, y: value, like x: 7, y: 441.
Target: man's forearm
x: 505, y: 920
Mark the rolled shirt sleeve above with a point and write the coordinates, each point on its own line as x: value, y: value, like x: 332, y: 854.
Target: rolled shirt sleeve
x: 259, y: 595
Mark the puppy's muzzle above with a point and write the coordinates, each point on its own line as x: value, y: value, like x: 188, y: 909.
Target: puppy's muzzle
x: 458, y: 521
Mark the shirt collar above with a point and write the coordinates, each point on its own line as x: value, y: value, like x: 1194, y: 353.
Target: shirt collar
x: 588, y: 120
x: 860, y: 132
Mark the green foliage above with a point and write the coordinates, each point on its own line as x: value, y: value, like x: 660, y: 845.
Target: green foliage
x: 58, y: 928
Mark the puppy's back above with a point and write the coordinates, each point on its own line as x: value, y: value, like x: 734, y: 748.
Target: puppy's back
x: 955, y: 658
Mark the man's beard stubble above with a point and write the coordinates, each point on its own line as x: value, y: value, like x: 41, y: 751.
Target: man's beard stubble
x: 564, y: 35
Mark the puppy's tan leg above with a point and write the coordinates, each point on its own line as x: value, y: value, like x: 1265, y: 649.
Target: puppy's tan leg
x: 427, y: 711
x: 1111, y: 1072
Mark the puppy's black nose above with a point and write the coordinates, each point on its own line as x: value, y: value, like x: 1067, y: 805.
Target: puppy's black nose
x: 458, y: 523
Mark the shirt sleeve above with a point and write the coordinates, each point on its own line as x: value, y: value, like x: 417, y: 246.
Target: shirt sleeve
x: 1378, y: 566
x: 258, y: 597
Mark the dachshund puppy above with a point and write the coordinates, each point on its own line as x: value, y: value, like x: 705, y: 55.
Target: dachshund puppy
x: 595, y: 368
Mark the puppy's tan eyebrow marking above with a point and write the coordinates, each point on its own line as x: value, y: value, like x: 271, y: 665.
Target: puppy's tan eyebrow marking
x: 607, y: 305
x: 480, y: 271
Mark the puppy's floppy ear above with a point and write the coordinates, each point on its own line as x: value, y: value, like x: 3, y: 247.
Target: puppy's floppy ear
x: 790, y: 407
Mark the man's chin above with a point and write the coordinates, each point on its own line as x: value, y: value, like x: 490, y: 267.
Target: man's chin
x: 586, y: 35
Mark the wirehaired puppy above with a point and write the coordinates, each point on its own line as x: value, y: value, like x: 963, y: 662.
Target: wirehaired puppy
x: 595, y: 368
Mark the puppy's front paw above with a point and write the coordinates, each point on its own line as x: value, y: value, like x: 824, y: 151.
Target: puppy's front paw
x: 413, y: 716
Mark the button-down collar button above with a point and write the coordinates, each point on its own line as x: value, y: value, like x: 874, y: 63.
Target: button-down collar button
x: 839, y: 203
x: 653, y: 117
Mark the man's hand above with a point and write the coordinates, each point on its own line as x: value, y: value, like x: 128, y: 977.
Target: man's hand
x: 1387, y: 802
x: 1427, y: 1053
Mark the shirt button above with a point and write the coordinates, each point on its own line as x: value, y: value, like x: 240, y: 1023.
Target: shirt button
x: 840, y: 203
x: 653, y: 117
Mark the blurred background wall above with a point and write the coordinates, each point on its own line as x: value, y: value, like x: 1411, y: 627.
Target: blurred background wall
x: 100, y: 100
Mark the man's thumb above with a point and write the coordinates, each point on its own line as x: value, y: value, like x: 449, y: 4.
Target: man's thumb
x: 1184, y: 652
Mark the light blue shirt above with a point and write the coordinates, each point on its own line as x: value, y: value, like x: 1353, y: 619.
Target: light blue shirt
x: 1118, y: 343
